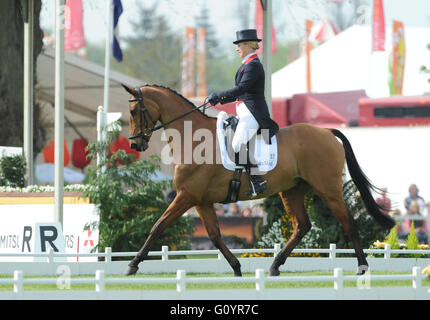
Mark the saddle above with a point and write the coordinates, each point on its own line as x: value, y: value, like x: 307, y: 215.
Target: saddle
x: 243, y: 161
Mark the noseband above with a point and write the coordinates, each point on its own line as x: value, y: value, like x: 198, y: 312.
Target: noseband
x: 146, y: 132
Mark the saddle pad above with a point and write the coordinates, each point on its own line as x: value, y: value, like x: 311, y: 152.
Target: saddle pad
x: 265, y: 154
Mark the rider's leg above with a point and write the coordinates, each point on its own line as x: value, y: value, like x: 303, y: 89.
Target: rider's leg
x: 245, y: 131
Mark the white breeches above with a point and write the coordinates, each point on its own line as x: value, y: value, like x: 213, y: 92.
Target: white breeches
x: 246, y: 128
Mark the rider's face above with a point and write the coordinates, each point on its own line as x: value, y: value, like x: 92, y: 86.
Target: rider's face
x: 243, y: 48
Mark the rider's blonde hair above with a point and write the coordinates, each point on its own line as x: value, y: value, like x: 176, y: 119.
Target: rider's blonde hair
x: 254, y: 45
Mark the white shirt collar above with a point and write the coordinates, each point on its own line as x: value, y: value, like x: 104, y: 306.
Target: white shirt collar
x: 246, y: 58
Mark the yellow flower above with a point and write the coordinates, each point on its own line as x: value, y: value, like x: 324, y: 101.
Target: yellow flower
x: 423, y: 246
x: 379, y: 244
x: 426, y: 270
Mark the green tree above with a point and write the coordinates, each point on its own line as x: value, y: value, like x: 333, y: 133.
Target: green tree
x: 130, y: 202
x: 154, y: 52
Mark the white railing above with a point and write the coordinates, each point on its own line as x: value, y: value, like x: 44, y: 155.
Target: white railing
x: 217, y: 264
x: 362, y: 290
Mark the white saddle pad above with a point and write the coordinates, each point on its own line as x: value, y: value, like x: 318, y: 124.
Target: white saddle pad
x: 265, y: 154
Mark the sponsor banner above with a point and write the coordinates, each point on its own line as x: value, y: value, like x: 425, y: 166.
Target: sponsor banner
x: 188, y: 64
x: 399, y: 56
x: 30, y: 228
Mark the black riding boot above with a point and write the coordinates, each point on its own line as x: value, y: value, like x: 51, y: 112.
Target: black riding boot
x: 258, y: 185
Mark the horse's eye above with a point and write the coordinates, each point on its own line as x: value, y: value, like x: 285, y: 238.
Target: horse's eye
x: 133, y: 112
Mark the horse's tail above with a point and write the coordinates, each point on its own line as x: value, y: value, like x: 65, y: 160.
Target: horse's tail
x: 364, y: 185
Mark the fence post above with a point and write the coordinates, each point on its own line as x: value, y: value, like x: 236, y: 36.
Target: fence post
x: 387, y: 251
x: 108, y: 254
x: 164, y: 253
x: 260, y: 281
x: 277, y: 248
x: 18, y: 285
x: 181, y: 285
x: 100, y: 283
x: 338, y: 278
x: 416, y: 277
x: 332, y: 253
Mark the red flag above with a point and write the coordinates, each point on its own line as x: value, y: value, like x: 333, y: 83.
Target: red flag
x: 259, y: 27
x: 74, y: 37
x: 378, y: 26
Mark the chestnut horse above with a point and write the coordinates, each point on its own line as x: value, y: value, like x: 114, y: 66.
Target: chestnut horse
x: 308, y: 158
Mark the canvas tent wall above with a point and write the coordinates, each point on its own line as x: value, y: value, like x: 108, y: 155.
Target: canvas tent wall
x: 343, y: 64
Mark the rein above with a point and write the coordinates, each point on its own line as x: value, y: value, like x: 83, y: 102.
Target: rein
x: 146, y: 132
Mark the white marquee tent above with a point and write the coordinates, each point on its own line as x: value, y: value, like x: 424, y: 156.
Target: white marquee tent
x: 344, y: 63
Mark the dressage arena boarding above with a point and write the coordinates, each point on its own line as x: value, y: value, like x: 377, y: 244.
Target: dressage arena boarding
x: 56, y: 270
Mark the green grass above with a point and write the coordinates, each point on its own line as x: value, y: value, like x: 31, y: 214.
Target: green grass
x: 219, y: 286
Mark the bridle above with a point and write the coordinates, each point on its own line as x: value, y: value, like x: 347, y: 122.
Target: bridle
x: 146, y: 132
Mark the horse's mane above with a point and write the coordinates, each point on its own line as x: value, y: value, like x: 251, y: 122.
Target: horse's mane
x: 179, y: 95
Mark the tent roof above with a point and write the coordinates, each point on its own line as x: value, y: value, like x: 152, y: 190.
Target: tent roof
x: 83, y: 87
x: 343, y: 64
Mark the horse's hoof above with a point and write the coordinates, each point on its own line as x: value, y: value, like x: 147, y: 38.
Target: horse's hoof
x: 131, y: 270
x: 238, y: 273
x: 362, y: 270
x: 274, y: 273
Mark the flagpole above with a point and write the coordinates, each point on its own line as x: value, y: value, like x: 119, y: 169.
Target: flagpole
x: 108, y: 48
x: 59, y: 112
x: 267, y: 51
x: 28, y: 92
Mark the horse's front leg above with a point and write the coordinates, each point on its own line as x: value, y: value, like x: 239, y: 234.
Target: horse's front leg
x: 182, y: 202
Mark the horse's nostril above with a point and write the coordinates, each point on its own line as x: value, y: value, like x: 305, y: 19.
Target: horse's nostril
x: 133, y: 146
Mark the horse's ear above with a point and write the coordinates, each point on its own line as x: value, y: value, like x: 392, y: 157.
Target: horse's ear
x: 129, y: 90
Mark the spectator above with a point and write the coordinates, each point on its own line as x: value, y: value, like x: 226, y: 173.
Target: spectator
x: 401, y: 230
x: 246, y: 212
x: 384, y: 201
x: 420, y: 226
x: 258, y: 212
x: 413, y: 196
x: 233, y: 210
x: 219, y: 209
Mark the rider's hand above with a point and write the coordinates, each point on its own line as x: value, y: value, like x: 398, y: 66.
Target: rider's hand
x: 213, y: 98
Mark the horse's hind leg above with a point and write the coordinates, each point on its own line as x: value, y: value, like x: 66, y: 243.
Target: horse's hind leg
x: 210, y: 220
x: 338, y: 207
x: 294, y: 203
x: 182, y: 202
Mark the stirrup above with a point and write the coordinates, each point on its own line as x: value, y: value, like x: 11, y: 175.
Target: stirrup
x: 258, y: 185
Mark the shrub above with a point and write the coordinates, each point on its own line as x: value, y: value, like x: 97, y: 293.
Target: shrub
x: 12, y: 171
x: 325, y: 227
x: 130, y: 202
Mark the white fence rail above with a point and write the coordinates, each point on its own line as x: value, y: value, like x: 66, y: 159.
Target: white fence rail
x: 208, y: 265
x: 362, y: 290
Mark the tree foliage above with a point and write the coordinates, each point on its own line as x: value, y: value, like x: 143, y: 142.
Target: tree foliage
x: 154, y: 51
x: 12, y: 171
x: 130, y: 201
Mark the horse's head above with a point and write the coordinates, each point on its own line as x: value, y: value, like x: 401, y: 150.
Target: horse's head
x: 143, y: 117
